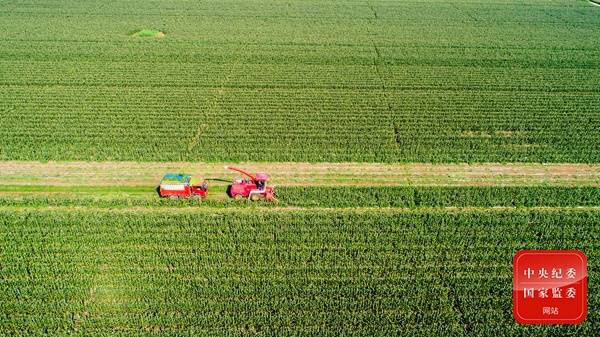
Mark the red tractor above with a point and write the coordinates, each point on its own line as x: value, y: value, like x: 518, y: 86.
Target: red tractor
x: 253, y: 188
x: 178, y: 185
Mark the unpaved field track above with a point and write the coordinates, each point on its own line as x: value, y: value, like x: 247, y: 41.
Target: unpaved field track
x: 290, y: 174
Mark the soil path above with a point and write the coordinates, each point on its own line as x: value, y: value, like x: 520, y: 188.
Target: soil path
x: 289, y: 174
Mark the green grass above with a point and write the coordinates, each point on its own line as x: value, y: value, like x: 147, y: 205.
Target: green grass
x: 277, y: 273
x: 76, y: 189
x: 385, y: 81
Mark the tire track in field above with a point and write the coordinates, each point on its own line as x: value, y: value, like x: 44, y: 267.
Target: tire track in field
x: 377, y: 64
x: 453, y: 298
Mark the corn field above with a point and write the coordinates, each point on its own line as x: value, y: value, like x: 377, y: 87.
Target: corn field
x: 427, y: 272
x: 371, y: 81
x: 415, y: 147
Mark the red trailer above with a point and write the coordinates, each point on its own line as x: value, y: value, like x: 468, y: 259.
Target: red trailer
x: 179, y: 185
x: 254, y: 187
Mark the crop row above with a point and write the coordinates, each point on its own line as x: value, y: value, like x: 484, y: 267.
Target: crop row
x: 439, y: 196
x: 326, y: 272
x: 315, y: 196
x: 297, y: 75
x: 306, y: 54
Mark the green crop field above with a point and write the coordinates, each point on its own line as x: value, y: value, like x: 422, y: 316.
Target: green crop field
x: 325, y: 272
x: 442, y: 81
x: 415, y: 147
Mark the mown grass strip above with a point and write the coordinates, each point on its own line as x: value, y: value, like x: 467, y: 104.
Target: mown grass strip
x: 440, y: 196
x: 77, y: 188
x: 129, y: 173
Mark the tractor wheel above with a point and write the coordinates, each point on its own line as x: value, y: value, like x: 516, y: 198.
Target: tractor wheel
x: 238, y: 197
x: 255, y: 197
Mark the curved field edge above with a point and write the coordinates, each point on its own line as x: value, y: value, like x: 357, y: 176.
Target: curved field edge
x: 316, y: 272
x: 318, y: 196
x: 123, y: 174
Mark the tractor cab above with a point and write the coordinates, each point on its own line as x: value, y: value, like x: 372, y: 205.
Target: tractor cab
x: 261, y: 181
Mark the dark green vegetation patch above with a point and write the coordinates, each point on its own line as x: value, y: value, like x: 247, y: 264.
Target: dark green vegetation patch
x: 148, y: 33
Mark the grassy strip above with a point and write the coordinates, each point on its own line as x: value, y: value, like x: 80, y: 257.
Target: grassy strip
x: 301, y: 174
x: 397, y: 197
x: 76, y: 188
x: 312, y: 272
